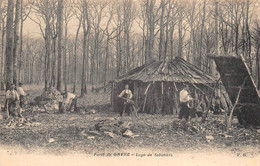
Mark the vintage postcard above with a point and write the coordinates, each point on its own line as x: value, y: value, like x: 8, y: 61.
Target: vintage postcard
x: 129, y: 82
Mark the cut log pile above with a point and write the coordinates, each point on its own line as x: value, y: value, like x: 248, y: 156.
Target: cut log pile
x: 192, y: 128
x: 15, y: 122
x: 48, y: 101
x: 112, y: 128
x: 213, y: 131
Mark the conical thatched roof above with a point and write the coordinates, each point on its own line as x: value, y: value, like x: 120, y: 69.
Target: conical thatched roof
x: 176, y: 70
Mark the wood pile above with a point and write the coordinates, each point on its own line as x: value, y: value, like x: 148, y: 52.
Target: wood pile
x: 48, y: 101
x: 214, y: 127
x: 15, y: 122
x: 112, y: 128
x: 213, y: 131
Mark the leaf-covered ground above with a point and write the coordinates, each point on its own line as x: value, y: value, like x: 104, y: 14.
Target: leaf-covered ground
x: 68, y: 133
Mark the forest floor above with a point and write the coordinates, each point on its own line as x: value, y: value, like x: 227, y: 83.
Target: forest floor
x: 70, y: 132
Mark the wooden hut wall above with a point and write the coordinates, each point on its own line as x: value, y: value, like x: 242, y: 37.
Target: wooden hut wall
x: 161, y: 97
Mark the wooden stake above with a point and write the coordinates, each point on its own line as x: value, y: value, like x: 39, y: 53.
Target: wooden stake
x: 233, y: 108
x: 176, y: 98
x: 161, y: 99
x: 147, y: 89
x: 145, y: 97
x: 112, y: 96
x: 176, y: 89
x: 209, y: 102
x: 196, y: 87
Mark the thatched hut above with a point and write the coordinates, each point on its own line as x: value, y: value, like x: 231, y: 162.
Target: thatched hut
x: 156, y: 86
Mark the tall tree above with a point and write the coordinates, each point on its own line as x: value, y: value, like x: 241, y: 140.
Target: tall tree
x: 2, y: 35
x: 86, y: 30
x: 79, y: 17
x: 67, y: 17
x: 44, y: 10
x: 60, y: 34
x: 9, y: 44
x: 161, y: 43
x: 16, y: 41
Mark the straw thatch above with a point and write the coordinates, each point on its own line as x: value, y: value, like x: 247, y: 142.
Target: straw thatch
x: 177, y: 70
x: 156, y: 85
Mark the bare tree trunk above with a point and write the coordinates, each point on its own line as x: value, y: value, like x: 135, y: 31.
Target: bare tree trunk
x: 75, y: 55
x: 65, y: 56
x: 258, y: 65
x: 54, y: 61
x: 2, y: 48
x: 21, y: 43
x: 60, y: 33
x: 201, y: 34
x: 86, y: 33
x: 47, y: 54
x: 248, y: 36
x: 32, y: 79
x: 9, y: 44
x: 118, y: 51
x: 216, y: 19
x: 161, y: 44
x: 106, y: 58
x: 16, y: 41
x: 180, y: 44
x: 171, y: 35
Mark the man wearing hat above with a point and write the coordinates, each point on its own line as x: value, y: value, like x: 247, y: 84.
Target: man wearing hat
x: 12, y: 99
x: 185, y: 98
x: 22, y: 96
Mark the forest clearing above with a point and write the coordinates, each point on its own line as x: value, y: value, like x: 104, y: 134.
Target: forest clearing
x: 96, y: 77
x: 69, y: 132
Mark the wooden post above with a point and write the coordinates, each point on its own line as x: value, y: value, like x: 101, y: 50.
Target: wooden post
x: 233, y: 108
x: 145, y: 97
x: 161, y: 106
x: 209, y: 102
x: 176, y: 98
x: 195, y: 102
x: 112, y: 96
x: 136, y: 92
x: 7, y: 109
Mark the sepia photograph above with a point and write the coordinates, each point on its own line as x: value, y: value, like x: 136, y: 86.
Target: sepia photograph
x: 129, y: 82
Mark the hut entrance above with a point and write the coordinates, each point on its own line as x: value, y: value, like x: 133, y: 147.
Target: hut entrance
x: 118, y: 103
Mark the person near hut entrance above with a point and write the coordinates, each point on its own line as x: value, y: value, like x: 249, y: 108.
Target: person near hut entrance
x: 22, y: 96
x: 69, y: 102
x: 185, y: 98
x: 12, y: 99
x: 127, y: 95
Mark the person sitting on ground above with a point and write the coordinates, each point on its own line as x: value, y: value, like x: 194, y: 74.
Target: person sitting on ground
x: 127, y: 95
x: 22, y: 96
x: 69, y: 101
x: 12, y: 99
x: 185, y: 98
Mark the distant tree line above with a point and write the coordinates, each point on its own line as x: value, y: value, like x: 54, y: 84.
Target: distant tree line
x: 115, y: 36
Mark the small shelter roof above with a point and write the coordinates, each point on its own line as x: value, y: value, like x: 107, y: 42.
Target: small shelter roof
x: 233, y: 72
x: 176, y: 70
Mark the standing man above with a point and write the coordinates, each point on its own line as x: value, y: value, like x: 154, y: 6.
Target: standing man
x: 127, y: 95
x: 12, y: 99
x: 184, y: 101
x: 69, y: 101
x: 22, y: 96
